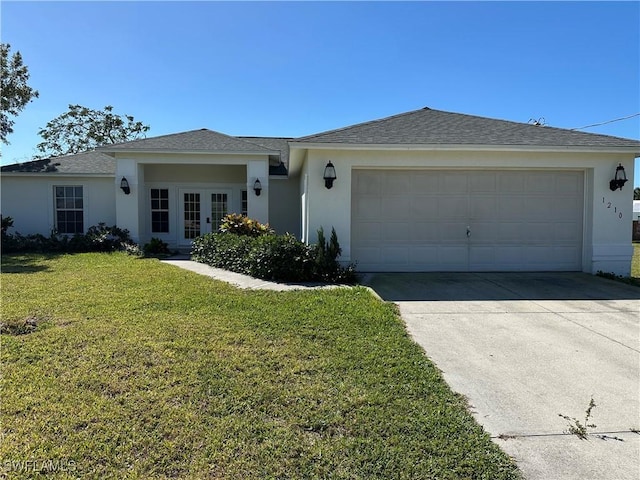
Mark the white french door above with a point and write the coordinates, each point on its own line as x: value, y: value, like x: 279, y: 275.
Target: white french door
x: 201, y: 211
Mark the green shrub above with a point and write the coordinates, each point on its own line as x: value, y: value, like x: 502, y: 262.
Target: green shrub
x: 7, y: 222
x: 237, y: 224
x: 156, y: 247
x: 99, y: 238
x: 222, y: 250
x: 326, y: 258
x: 281, y: 257
x: 273, y: 257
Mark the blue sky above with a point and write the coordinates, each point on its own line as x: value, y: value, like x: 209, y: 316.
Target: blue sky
x: 296, y: 68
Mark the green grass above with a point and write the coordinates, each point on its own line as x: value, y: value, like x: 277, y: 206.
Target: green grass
x: 138, y: 369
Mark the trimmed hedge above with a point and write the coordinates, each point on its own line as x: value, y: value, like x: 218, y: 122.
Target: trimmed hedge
x: 271, y: 257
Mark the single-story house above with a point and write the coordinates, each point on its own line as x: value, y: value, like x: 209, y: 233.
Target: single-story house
x: 425, y: 190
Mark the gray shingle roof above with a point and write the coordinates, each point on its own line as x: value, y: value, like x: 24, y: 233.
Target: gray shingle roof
x: 277, y: 144
x: 193, y: 141
x: 82, y: 163
x: 435, y: 127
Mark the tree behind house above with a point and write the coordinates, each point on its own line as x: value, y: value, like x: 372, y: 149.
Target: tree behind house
x: 16, y: 93
x: 81, y: 129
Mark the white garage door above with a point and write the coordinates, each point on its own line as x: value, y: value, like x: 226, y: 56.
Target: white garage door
x: 423, y: 220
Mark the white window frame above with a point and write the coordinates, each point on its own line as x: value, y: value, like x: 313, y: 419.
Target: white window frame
x: 54, y: 210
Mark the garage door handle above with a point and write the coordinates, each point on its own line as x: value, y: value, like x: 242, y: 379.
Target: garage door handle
x: 468, y: 231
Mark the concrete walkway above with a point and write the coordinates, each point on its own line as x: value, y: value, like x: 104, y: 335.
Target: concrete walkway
x: 524, y: 348
x: 237, y: 279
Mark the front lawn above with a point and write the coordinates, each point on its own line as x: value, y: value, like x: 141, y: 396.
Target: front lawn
x: 137, y: 369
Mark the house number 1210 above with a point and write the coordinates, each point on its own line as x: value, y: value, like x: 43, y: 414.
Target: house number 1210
x: 615, y: 209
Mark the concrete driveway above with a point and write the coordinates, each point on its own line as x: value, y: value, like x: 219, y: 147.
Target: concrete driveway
x: 526, y: 347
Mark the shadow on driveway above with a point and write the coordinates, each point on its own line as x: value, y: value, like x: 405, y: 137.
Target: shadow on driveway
x: 396, y: 287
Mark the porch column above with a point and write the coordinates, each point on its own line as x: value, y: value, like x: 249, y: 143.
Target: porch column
x: 258, y: 206
x: 128, y: 205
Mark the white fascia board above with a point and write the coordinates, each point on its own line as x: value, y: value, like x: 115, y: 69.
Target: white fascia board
x: 464, y: 147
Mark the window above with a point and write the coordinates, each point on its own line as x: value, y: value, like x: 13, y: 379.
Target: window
x: 245, y: 205
x: 218, y: 207
x: 160, y: 210
x: 69, y: 209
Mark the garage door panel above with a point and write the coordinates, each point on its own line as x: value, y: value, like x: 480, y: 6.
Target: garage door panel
x: 423, y: 182
x: 510, y: 232
x: 565, y: 208
x: 482, y: 255
x: 452, y: 183
x: 395, y: 255
x: 395, y: 207
x: 569, y: 184
x: 452, y: 232
x: 510, y: 207
x: 567, y: 232
x: 368, y: 233
x: 424, y: 207
x: 417, y: 220
x: 540, y: 183
x: 484, y: 207
x: 397, y: 183
x: 367, y: 208
x: 427, y: 255
x: 425, y: 233
x: 482, y: 182
x: 540, y: 208
x: 396, y: 232
x: 368, y: 183
x: 536, y: 232
x: 510, y: 182
x: 452, y: 207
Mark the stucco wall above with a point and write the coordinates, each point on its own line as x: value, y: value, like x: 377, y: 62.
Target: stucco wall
x: 29, y: 201
x: 201, y: 173
x: 284, y: 205
x: 607, y: 226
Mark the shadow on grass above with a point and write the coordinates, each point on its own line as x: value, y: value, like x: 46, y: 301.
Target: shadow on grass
x: 24, y: 263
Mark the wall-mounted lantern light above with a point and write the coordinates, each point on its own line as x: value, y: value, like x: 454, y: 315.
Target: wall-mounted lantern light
x: 124, y: 185
x: 257, y: 187
x: 619, y: 180
x: 329, y: 175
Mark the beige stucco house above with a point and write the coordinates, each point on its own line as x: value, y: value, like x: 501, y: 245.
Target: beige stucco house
x: 425, y: 190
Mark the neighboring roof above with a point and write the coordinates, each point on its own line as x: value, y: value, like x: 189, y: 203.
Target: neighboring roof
x: 204, y: 140
x: 82, y: 163
x: 435, y: 127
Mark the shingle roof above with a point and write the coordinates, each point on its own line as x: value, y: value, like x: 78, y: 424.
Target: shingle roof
x: 83, y: 163
x: 193, y: 141
x: 277, y: 144
x: 435, y: 127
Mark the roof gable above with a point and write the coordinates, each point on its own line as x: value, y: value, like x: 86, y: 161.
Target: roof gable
x: 204, y: 141
x: 435, y: 127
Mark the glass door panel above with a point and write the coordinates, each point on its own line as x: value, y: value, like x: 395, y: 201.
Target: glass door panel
x: 219, y: 208
x: 191, y: 215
